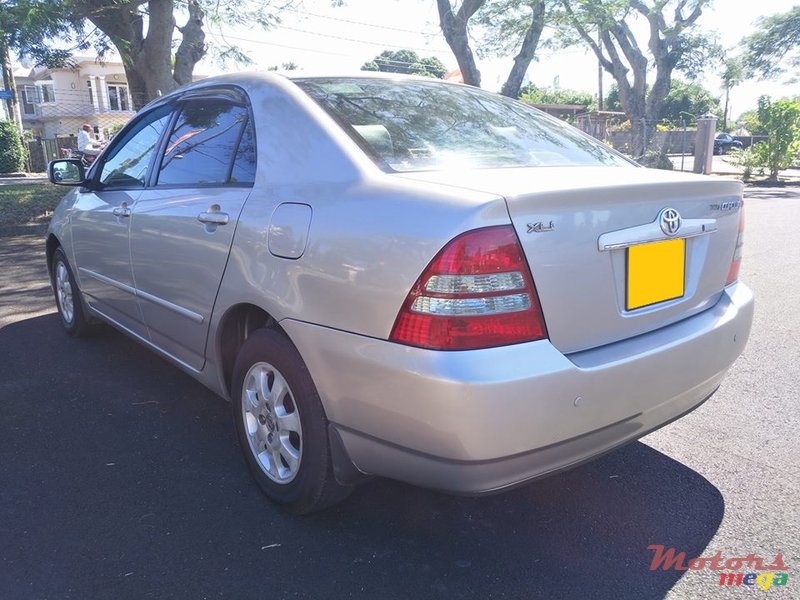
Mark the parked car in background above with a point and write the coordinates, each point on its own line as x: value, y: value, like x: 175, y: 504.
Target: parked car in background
x: 403, y: 277
x: 724, y: 142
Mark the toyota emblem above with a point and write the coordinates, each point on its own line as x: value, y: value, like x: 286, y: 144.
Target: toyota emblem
x: 670, y: 221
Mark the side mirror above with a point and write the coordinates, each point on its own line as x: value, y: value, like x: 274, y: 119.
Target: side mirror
x: 66, y: 172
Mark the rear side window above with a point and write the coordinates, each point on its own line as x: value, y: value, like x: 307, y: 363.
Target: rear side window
x: 203, y: 143
x: 244, y: 167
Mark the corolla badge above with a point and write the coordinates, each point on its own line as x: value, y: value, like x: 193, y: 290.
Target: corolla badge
x: 670, y: 221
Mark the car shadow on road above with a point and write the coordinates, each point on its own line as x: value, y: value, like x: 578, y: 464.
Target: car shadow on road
x: 121, y: 475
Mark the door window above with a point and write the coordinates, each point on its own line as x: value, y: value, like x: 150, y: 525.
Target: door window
x: 128, y: 162
x: 203, y: 143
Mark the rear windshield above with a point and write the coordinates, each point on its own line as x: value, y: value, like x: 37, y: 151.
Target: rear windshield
x: 419, y: 125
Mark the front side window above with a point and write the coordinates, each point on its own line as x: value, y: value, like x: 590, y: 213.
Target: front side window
x: 203, y: 143
x: 418, y: 125
x: 118, y: 96
x: 127, y: 163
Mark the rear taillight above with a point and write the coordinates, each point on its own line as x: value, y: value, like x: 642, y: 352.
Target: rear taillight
x: 476, y: 293
x: 733, y: 271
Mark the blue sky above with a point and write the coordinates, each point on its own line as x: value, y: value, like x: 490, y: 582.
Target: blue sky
x: 321, y: 38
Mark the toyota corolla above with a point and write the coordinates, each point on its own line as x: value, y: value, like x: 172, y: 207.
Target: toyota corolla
x: 403, y: 277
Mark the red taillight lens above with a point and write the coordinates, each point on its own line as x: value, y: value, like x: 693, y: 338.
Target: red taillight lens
x: 476, y: 293
x: 733, y: 271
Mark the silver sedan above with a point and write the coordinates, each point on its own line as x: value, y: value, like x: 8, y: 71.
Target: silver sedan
x: 403, y: 277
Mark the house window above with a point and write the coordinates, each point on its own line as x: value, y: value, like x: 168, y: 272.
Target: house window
x: 91, y: 91
x: 28, y: 100
x: 47, y: 93
x: 118, y: 96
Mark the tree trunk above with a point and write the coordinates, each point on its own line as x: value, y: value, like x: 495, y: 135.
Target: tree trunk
x: 454, y: 28
x: 526, y: 53
x: 192, y: 47
x: 725, y: 112
x: 148, y: 59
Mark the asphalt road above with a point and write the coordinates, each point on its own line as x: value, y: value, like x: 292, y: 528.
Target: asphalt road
x: 120, y: 478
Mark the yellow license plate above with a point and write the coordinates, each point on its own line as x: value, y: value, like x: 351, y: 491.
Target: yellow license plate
x: 656, y: 273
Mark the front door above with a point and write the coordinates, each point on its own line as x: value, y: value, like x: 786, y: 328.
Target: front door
x: 182, y: 227
x: 102, y: 216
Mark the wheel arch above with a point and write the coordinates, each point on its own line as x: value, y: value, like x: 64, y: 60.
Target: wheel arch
x: 51, y: 245
x: 235, y: 326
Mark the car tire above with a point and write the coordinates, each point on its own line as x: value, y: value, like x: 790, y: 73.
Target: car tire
x: 68, y: 298
x: 281, y: 425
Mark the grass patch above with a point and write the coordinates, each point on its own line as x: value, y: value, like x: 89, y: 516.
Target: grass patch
x: 28, y: 203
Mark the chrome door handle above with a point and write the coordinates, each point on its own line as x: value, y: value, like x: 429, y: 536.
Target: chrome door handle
x: 122, y: 210
x: 213, y: 218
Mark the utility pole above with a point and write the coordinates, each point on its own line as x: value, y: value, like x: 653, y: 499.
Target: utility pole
x: 12, y: 104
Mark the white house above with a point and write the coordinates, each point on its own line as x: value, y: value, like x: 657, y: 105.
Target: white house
x: 57, y: 102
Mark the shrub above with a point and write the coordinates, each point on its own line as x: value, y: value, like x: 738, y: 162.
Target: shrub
x: 12, y: 154
x: 782, y: 122
x: 748, y: 158
x: 656, y: 159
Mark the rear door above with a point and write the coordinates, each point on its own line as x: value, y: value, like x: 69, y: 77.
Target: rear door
x: 182, y: 226
x: 101, y: 220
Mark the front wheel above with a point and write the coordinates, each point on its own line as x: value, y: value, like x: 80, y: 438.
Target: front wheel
x: 281, y: 425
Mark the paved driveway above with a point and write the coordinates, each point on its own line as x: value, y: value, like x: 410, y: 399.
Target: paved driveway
x: 120, y: 478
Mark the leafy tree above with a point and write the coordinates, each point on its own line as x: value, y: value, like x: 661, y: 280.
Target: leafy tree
x: 512, y: 26
x: 672, y: 45
x: 12, y: 157
x: 406, y: 61
x: 158, y: 53
x: 287, y: 66
x: 751, y: 122
x: 781, y: 120
x: 775, y: 44
x: 509, y: 26
x: 688, y: 97
x: 732, y: 75
x: 531, y: 94
x: 684, y: 100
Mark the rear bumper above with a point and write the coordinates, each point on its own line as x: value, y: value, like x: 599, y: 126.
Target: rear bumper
x: 478, y: 421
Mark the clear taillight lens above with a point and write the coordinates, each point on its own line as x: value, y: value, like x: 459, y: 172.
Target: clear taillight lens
x: 476, y: 293
x: 733, y: 271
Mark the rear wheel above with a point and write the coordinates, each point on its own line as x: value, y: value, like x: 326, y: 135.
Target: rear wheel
x: 281, y: 425
x: 68, y: 298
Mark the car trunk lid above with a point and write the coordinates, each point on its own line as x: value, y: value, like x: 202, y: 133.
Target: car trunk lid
x: 577, y: 227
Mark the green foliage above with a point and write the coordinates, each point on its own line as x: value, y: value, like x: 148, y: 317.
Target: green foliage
x: 504, y: 23
x: 287, y: 66
x: 530, y: 94
x: 12, y: 154
x: 656, y: 159
x: 781, y: 121
x: 748, y: 158
x: 751, y: 123
x: 28, y: 203
x: 406, y: 61
x: 683, y: 97
x: 690, y: 98
x: 774, y: 45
